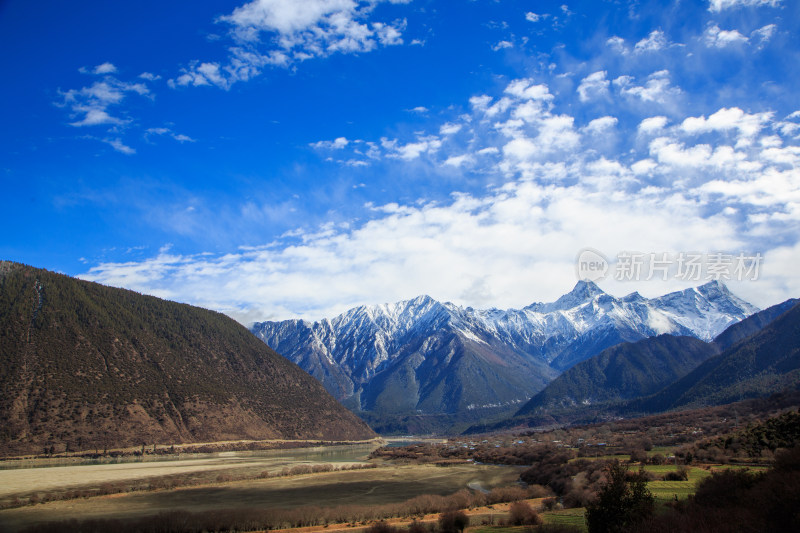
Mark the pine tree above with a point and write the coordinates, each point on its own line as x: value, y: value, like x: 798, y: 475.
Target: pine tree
x: 623, y: 501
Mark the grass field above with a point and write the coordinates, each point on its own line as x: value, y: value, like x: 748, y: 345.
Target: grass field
x: 567, y: 517
x: 667, y: 490
x: 389, y: 484
x: 44, y: 477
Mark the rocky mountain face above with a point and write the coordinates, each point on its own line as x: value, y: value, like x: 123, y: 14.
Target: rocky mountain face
x: 85, y: 367
x: 429, y: 358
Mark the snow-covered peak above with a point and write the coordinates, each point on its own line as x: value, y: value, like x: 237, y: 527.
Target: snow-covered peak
x: 706, y: 310
x: 633, y: 297
x: 366, y: 340
x: 583, y: 292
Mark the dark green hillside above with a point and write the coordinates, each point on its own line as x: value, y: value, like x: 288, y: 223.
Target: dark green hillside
x: 778, y: 432
x: 628, y: 370
x: 764, y: 363
x: 752, y: 324
x: 88, y: 366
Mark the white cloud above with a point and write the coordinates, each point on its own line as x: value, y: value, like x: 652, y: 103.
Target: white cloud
x: 440, y: 249
x: 726, y: 119
x: 181, y: 138
x: 203, y: 74
x: 94, y: 117
x: 459, y: 160
x: 652, y: 43
x: 652, y: 124
x: 480, y: 102
x: 283, y: 32
x: 552, y: 134
x: 449, y: 128
x: 718, y: 38
x: 593, y: 86
x: 644, y: 166
x: 103, y: 104
x: 499, y: 107
x: 555, y: 191
x: 676, y: 154
x: 336, y: 144
x: 617, y: 44
x: 715, y: 6
x: 657, y: 88
x: 412, y: 150
x: 105, y: 68
x: 762, y: 35
x: 502, y: 45
x: 389, y: 35
x: 601, y: 125
x: 530, y: 16
x: 90, y: 105
x: 527, y: 89
x: 774, y: 190
x: 119, y: 146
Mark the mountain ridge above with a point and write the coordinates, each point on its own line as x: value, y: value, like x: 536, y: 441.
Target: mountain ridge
x: 767, y: 361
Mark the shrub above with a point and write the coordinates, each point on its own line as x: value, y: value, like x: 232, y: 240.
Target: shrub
x: 418, y: 527
x: 657, y: 459
x: 681, y: 474
x: 725, y: 488
x: 549, y: 504
x: 538, y: 491
x: 382, y: 527
x: 522, y: 514
x: 638, y: 456
x: 506, y: 494
x: 453, y: 522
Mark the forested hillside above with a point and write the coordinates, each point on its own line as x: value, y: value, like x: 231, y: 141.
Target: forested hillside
x: 86, y: 366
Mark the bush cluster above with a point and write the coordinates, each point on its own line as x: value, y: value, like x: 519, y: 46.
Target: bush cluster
x: 305, y: 516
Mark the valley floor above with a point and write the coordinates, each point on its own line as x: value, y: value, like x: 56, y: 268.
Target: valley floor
x: 385, y: 484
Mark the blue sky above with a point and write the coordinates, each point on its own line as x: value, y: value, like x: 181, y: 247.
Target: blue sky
x: 278, y: 158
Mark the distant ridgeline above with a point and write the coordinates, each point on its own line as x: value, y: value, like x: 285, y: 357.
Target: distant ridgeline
x: 423, y: 365
x: 85, y: 367
x: 757, y: 357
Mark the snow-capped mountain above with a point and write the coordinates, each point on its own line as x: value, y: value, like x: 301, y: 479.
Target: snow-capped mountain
x: 424, y: 356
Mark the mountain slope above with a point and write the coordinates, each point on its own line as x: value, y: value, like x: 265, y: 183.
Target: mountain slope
x: 596, y: 389
x: 88, y: 366
x: 418, y: 355
x: 766, y: 362
x: 625, y: 371
x: 425, y: 357
x: 752, y: 324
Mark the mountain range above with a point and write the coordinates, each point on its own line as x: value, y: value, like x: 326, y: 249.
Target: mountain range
x: 755, y: 357
x: 765, y: 362
x: 422, y: 359
x: 85, y: 367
